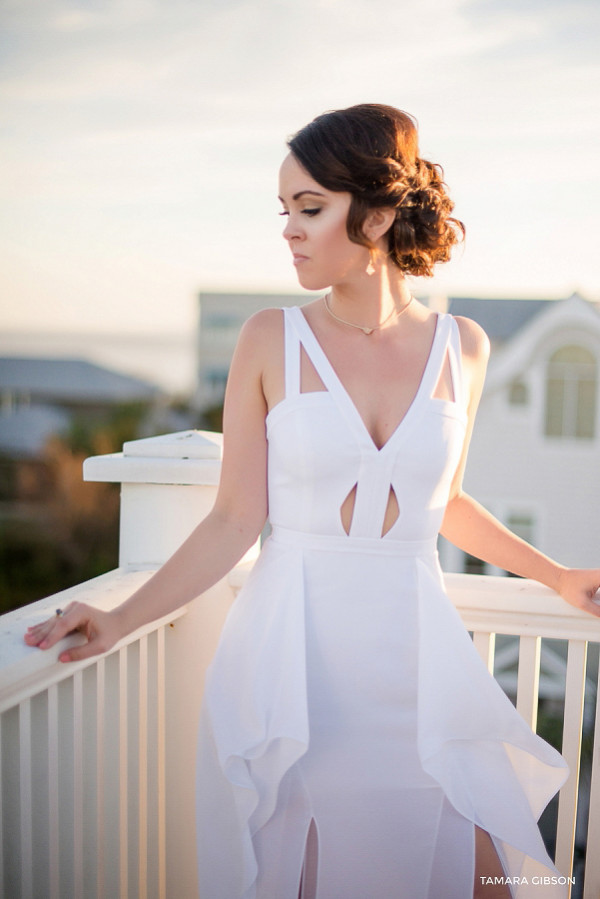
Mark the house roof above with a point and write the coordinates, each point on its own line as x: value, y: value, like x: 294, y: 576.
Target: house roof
x: 25, y: 431
x: 500, y: 319
x: 70, y: 381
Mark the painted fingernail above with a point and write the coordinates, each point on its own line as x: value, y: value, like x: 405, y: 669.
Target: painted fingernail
x: 63, y: 657
x: 43, y: 644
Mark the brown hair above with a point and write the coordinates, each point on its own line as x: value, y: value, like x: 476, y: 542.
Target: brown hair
x: 372, y: 151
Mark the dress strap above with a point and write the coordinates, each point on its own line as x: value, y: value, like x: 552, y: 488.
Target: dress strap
x: 437, y: 357
x: 446, y: 345
x: 456, y: 369
x: 314, y: 351
x: 292, y: 355
x: 326, y: 372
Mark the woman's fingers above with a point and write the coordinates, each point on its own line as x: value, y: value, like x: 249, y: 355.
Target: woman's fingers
x: 589, y: 604
x: 85, y: 651
x: 592, y: 607
x: 37, y: 634
x: 580, y: 588
x: 74, y: 617
x: 99, y: 628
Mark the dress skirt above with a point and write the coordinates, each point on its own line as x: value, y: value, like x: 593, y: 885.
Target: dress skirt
x: 347, y: 698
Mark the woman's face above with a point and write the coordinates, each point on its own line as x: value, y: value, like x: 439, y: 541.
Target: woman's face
x: 315, y: 230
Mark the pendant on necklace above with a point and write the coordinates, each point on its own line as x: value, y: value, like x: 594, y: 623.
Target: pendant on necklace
x: 367, y: 331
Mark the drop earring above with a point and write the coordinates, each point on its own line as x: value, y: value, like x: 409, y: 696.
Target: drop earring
x: 370, y: 268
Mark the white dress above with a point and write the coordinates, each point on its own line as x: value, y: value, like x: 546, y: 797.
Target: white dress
x: 346, y: 691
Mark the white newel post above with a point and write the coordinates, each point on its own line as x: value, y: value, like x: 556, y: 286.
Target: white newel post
x: 169, y: 485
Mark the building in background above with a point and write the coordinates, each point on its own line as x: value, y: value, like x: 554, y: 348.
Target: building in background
x: 166, y: 360
x: 40, y: 398
x: 534, y: 460
x: 535, y: 453
x: 220, y: 318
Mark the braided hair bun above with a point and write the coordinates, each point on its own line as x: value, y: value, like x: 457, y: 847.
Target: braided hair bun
x: 371, y: 151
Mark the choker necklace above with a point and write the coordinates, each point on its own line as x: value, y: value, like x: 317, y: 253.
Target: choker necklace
x: 367, y: 331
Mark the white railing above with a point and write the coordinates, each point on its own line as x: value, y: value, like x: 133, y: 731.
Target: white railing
x: 98, y: 757
x: 491, y: 606
x: 84, y: 750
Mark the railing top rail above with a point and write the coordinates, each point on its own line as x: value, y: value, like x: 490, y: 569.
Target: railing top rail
x: 506, y: 605
x: 497, y: 604
x: 26, y: 670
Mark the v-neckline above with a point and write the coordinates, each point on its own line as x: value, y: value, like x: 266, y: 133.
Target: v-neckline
x: 336, y: 387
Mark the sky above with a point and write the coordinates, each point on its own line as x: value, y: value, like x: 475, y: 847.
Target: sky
x: 140, y: 142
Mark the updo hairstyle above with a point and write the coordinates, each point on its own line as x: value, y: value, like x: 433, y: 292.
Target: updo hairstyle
x: 371, y: 151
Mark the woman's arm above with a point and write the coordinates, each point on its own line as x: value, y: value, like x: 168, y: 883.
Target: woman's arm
x: 475, y: 530
x: 222, y: 538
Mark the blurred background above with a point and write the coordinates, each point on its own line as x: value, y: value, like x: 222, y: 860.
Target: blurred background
x: 140, y: 145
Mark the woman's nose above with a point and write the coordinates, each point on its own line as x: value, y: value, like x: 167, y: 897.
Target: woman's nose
x: 291, y: 229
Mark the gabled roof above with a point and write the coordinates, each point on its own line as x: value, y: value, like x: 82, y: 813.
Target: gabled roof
x: 504, y: 319
x: 573, y: 319
x: 66, y: 381
x: 500, y: 319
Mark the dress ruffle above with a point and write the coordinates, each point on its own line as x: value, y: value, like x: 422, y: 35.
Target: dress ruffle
x: 255, y: 719
x: 473, y: 746
x: 255, y: 727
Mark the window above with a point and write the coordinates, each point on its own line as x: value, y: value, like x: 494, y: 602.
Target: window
x: 221, y: 320
x: 518, y: 395
x: 571, y: 393
x: 473, y: 565
x: 523, y: 525
x: 216, y: 377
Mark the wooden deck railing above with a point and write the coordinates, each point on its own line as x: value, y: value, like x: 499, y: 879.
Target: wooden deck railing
x: 98, y: 757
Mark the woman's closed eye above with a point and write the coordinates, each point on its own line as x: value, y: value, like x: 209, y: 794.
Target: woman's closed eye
x: 310, y: 212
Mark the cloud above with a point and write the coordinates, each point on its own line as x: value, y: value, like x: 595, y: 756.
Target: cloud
x: 144, y: 136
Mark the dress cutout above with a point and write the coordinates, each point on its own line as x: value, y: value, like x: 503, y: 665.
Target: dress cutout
x: 346, y: 700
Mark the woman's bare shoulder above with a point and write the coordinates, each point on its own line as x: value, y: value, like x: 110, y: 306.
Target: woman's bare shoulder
x: 260, y: 352
x: 260, y: 336
x: 475, y: 344
x: 264, y: 324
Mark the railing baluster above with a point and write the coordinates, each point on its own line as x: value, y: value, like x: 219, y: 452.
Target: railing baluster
x: 143, y: 769
x: 123, y: 766
x: 529, y: 679
x: 571, y: 750
x: 485, y: 644
x: 592, y: 861
x: 25, y: 799
x: 161, y: 763
x: 78, y: 784
x: 53, y: 794
x: 100, y: 785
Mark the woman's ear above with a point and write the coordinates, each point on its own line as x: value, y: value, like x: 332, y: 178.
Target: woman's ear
x: 378, y: 222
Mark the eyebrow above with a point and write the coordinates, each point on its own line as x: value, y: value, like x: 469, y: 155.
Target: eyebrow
x: 314, y: 193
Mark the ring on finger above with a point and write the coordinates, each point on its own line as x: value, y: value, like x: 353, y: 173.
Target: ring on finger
x: 59, y: 613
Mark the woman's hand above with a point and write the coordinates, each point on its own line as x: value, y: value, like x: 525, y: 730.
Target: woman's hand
x: 579, y: 586
x: 100, y: 628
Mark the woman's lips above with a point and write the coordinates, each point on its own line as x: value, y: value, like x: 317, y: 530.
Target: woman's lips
x: 299, y: 259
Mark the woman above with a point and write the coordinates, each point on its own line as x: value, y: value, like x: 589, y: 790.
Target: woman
x: 352, y: 743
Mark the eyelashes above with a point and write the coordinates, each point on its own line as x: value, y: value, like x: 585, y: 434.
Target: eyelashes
x: 309, y: 212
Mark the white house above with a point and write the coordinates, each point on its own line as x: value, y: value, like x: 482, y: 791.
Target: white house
x: 535, y: 454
